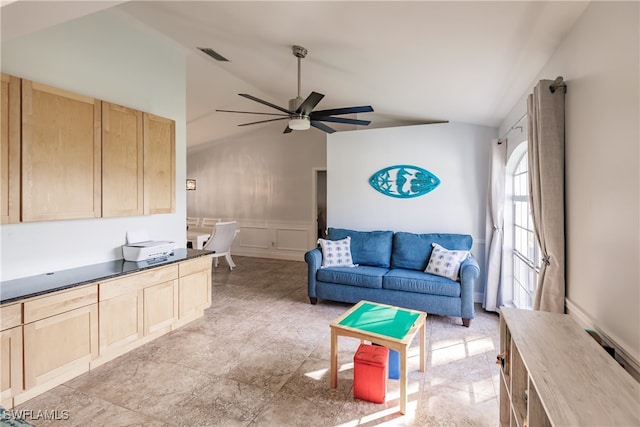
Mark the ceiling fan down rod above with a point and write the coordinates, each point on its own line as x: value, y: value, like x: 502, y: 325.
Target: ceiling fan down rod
x: 299, y: 52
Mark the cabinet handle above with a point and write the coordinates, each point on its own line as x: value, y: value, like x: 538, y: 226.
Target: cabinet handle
x: 501, y: 359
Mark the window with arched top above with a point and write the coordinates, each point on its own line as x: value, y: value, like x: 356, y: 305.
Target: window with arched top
x: 524, y: 248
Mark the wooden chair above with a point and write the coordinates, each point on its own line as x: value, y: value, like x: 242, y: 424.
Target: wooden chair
x: 221, y: 241
x: 209, y: 222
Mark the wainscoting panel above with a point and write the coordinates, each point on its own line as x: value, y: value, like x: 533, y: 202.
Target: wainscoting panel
x: 292, y: 239
x: 276, y: 240
x: 252, y: 237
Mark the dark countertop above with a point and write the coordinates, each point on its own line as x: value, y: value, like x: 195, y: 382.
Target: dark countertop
x: 27, y: 287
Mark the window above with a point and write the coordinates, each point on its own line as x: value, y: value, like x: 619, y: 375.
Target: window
x: 526, y: 252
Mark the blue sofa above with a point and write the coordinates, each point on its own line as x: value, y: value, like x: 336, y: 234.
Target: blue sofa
x: 391, y: 270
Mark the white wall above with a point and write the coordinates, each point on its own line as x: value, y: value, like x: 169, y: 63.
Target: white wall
x: 458, y: 154
x: 264, y: 180
x: 105, y: 56
x: 599, y: 61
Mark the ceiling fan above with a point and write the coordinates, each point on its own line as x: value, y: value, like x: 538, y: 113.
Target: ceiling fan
x: 300, y: 113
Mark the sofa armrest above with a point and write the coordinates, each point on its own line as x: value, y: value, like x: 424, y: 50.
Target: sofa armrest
x: 469, y: 268
x: 313, y: 259
x: 469, y: 272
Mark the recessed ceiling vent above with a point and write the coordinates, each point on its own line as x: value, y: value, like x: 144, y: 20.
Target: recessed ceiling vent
x: 212, y: 53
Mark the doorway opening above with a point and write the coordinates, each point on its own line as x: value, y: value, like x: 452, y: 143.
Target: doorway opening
x: 320, y: 203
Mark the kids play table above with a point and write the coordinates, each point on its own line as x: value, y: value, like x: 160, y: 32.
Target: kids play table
x: 386, y: 325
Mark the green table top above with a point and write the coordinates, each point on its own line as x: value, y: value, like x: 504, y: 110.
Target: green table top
x: 388, y: 321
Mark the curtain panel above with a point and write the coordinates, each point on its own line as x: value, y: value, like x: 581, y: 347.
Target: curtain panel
x: 545, y: 112
x: 495, y: 226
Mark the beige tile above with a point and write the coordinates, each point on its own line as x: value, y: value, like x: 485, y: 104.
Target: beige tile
x: 69, y: 408
x: 289, y: 410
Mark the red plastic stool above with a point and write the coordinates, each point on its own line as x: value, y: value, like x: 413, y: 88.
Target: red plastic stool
x: 370, y: 371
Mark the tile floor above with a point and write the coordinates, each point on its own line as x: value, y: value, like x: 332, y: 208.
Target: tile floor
x: 260, y: 357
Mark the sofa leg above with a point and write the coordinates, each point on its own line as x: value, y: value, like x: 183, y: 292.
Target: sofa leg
x: 313, y: 300
x: 466, y: 322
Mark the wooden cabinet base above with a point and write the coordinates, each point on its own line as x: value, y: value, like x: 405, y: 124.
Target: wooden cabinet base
x: 52, y: 339
x: 11, y: 367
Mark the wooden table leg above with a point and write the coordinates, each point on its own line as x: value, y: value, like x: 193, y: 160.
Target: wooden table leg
x: 334, y: 359
x: 423, y: 343
x: 403, y: 380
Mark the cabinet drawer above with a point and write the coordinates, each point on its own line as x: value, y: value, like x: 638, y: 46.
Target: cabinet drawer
x: 59, y: 302
x: 10, y: 316
x: 137, y: 281
x: 195, y: 265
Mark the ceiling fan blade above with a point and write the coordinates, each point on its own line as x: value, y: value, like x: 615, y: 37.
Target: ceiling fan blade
x: 287, y: 129
x: 347, y: 110
x: 252, y: 112
x: 322, y: 126
x: 343, y: 120
x: 309, y: 104
x: 263, y: 121
x: 253, y: 98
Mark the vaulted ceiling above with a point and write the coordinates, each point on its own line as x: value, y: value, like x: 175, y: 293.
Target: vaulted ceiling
x: 413, y: 61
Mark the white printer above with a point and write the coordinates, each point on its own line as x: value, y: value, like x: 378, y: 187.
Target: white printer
x: 140, y: 248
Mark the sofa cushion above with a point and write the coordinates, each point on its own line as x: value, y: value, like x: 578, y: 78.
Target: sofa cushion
x: 416, y: 281
x: 445, y: 263
x: 367, y: 247
x: 362, y: 276
x: 336, y: 253
x: 413, y: 251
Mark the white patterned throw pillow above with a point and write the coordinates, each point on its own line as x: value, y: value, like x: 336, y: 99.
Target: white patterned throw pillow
x: 446, y: 263
x: 336, y: 253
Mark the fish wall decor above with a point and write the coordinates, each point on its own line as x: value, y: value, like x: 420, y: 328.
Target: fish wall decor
x: 404, y: 181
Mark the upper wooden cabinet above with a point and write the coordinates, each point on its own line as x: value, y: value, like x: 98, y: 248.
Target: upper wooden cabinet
x: 69, y: 156
x: 61, y: 154
x: 10, y: 149
x: 122, y: 161
x: 159, y: 165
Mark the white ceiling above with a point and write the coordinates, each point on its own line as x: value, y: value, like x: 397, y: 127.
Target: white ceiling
x: 413, y: 61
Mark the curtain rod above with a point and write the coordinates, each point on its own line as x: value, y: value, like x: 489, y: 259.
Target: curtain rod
x: 514, y: 126
x: 558, y: 82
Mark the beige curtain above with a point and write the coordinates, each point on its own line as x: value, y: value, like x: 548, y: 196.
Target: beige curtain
x: 495, y: 226
x: 545, y: 111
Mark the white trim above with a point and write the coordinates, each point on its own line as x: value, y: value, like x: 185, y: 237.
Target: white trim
x: 630, y: 362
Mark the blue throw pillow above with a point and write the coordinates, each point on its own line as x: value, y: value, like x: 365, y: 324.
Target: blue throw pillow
x: 371, y: 248
x: 412, y: 251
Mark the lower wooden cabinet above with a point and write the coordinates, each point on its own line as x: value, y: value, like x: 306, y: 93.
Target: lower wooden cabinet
x: 59, y: 341
x: 136, y: 308
x: 554, y: 374
x: 194, y: 289
x: 120, y: 323
x: 160, y: 307
x: 46, y: 341
x: 10, y: 365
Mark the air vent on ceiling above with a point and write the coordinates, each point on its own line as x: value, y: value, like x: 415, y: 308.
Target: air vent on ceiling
x: 212, y: 53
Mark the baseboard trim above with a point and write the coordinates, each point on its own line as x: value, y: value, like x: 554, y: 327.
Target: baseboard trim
x: 630, y: 362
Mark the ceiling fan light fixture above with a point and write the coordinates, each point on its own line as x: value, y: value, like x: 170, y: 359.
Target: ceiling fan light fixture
x: 299, y: 123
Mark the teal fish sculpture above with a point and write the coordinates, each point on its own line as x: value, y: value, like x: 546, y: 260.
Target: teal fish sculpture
x: 404, y: 181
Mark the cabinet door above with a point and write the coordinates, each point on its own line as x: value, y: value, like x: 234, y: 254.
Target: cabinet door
x: 122, y: 162
x: 60, y: 154
x: 59, y: 347
x: 194, y: 294
x: 10, y: 149
x: 160, y: 307
x: 159, y: 165
x: 120, y: 323
x: 10, y: 365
